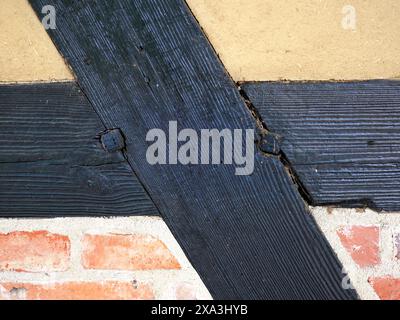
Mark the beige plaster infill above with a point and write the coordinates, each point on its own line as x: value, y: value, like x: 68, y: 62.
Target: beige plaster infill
x: 260, y: 40
x: 26, y: 52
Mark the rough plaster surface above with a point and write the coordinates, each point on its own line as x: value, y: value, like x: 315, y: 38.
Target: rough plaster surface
x: 303, y: 40
x: 330, y: 220
x: 164, y: 282
x: 26, y: 51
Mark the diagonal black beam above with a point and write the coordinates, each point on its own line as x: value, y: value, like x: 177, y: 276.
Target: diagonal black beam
x: 144, y: 63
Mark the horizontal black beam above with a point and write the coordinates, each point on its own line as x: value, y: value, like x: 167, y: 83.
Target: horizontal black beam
x: 342, y: 139
x: 52, y: 162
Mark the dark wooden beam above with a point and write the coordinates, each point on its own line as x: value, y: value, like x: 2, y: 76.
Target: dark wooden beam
x: 341, y: 139
x: 52, y: 162
x: 144, y: 63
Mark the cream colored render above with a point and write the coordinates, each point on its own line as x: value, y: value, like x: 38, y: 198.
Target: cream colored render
x: 303, y: 39
x: 26, y: 52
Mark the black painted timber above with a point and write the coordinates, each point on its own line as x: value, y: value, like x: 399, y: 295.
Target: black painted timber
x: 144, y: 63
x: 342, y: 139
x: 51, y: 159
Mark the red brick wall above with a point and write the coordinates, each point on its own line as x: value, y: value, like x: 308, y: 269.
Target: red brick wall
x: 138, y: 258
x: 368, y: 245
x: 122, y: 258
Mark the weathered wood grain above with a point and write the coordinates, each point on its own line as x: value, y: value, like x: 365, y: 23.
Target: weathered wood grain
x: 52, y: 162
x: 342, y: 139
x: 143, y: 63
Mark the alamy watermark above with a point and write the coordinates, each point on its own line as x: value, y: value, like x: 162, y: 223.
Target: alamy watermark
x: 349, y: 20
x: 346, y: 282
x: 204, y: 147
x: 49, y: 20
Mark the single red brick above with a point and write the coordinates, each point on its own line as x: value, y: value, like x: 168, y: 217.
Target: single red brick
x: 362, y: 242
x: 387, y: 288
x: 107, y: 290
x: 126, y: 252
x: 34, y: 251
